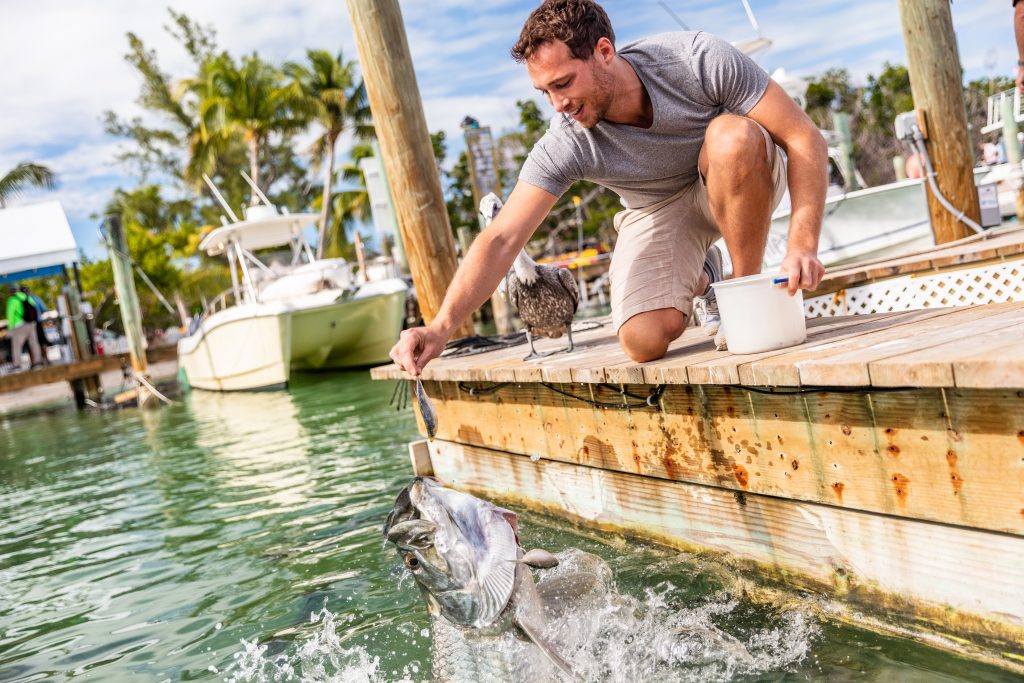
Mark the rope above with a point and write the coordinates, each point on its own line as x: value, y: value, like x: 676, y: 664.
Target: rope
x: 140, y: 378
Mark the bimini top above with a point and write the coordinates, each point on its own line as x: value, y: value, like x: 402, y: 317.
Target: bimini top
x: 35, y: 240
x: 262, y: 228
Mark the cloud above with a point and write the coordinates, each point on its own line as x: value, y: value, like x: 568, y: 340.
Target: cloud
x: 65, y: 63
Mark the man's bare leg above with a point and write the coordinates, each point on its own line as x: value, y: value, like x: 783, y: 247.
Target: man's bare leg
x: 646, y: 336
x: 738, y: 176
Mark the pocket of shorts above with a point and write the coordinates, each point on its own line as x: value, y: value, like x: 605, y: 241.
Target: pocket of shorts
x: 618, y: 218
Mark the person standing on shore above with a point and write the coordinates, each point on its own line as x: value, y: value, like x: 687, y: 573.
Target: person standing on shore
x: 22, y: 318
x: 687, y: 130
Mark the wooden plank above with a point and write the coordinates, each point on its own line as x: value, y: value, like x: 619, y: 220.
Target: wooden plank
x: 781, y: 368
x: 836, y: 448
x: 724, y: 368
x: 846, y: 363
x: 1000, y: 365
x: 933, y: 366
x: 964, y: 583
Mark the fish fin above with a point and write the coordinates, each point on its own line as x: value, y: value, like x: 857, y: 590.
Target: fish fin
x: 539, y: 558
x: 403, y: 506
x: 534, y: 634
x: 412, y: 533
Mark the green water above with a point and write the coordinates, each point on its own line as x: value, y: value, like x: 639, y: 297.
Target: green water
x: 237, y: 537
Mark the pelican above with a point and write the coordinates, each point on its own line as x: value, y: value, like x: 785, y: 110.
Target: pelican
x: 546, y: 297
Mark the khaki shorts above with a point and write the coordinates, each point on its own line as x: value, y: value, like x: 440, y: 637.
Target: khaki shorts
x: 659, y: 254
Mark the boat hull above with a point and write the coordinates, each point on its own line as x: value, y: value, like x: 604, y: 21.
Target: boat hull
x: 257, y: 347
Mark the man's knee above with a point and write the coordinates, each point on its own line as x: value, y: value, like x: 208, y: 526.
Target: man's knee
x: 735, y: 143
x: 646, y: 336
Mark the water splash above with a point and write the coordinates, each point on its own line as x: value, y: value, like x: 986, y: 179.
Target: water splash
x: 322, y: 657
x: 661, y: 635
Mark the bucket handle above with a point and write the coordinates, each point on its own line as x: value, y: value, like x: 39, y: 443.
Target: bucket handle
x: 780, y: 280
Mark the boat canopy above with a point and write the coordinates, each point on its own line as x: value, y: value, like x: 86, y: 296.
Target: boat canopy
x: 257, y: 233
x: 35, y: 241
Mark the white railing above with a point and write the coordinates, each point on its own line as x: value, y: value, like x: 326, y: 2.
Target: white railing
x: 997, y: 283
x: 995, y: 109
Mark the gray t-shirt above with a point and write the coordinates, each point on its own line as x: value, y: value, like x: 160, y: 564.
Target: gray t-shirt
x: 691, y: 78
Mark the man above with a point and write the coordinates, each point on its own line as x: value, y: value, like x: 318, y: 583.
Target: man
x: 683, y: 127
x: 40, y: 308
x: 21, y: 326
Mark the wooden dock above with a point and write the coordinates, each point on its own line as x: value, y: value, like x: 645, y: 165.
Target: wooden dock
x: 70, y: 372
x: 881, y: 462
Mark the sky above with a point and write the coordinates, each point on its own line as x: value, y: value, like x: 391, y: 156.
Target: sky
x: 64, y: 62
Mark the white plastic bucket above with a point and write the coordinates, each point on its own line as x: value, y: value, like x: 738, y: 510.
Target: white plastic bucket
x: 759, y: 315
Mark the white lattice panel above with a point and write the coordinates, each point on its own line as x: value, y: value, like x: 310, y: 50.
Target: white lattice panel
x: 992, y: 284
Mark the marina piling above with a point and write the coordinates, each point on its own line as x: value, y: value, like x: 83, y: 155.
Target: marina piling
x: 935, y: 81
x: 131, y: 315
x: 406, y: 150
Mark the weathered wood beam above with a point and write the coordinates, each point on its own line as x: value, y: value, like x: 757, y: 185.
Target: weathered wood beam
x: 941, y: 455
x: 956, y: 588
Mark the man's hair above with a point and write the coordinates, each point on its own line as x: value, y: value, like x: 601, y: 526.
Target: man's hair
x: 577, y: 23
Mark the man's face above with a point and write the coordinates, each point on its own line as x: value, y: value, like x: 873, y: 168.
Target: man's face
x: 577, y: 88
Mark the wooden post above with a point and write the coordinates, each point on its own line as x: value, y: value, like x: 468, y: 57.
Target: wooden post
x: 841, y: 123
x: 131, y: 315
x: 934, y: 65
x: 406, y: 151
x: 1013, y: 151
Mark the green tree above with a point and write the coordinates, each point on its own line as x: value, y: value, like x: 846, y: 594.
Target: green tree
x: 337, y: 100
x: 159, y: 235
x: 247, y: 101
x: 22, y: 176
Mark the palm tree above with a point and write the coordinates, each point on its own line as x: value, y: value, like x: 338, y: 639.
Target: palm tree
x: 24, y: 175
x: 338, y: 103
x: 248, y: 101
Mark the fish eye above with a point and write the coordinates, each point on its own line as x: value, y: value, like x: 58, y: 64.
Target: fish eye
x: 411, y: 562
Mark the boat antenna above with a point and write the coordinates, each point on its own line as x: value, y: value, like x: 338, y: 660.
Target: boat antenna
x: 674, y: 15
x: 224, y: 204
x: 257, y: 190
x: 750, y: 16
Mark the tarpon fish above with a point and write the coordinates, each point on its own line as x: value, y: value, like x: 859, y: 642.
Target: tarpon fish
x: 464, y: 555
x: 427, y: 410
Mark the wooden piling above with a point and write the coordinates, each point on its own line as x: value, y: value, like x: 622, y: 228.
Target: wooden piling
x: 935, y: 81
x: 131, y: 315
x: 406, y: 150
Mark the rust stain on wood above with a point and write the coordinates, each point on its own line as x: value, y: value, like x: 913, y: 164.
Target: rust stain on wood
x: 954, y: 473
x: 740, y: 472
x: 902, y: 487
x: 837, y: 488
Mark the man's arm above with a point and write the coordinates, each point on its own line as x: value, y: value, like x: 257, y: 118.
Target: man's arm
x: 1018, y: 31
x: 807, y: 155
x: 488, y: 260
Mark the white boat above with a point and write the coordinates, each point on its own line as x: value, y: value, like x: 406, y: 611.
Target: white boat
x: 875, y: 222
x: 303, y: 314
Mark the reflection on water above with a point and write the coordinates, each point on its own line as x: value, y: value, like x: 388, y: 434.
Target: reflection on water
x: 262, y: 445
x: 237, y: 537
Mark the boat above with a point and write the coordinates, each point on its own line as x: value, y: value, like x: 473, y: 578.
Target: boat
x: 289, y: 311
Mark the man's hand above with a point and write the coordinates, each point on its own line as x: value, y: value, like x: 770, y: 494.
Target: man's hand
x: 416, y: 347
x: 803, y: 269
x: 1020, y: 78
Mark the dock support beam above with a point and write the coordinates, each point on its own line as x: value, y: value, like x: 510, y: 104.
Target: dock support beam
x: 406, y: 150
x: 935, y: 81
x: 131, y: 315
